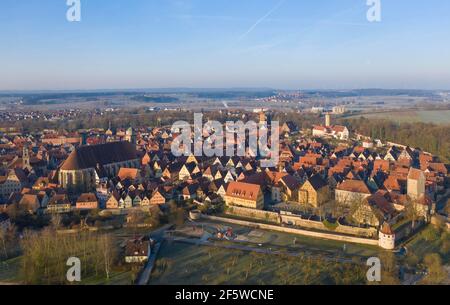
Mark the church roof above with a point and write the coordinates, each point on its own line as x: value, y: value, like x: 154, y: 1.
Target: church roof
x: 90, y: 156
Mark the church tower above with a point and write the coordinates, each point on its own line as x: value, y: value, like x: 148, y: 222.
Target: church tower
x: 130, y: 136
x: 327, y: 119
x: 262, y: 117
x: 26, y: 158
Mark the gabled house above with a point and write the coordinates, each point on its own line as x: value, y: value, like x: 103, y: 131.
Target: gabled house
x: 87, y: 201
x: 314, y: 192
x: 351, y: 191
x: 137, y: 251
x: 133, y: 174
x: 289, y: 127
x: 188, y: 170
x: 189, y: 192
x: 373, y: 211
x: 157, y: 198
x: 244, y: 195
x: 290, y: 187
x: 59, y: 203
x: 222, y: 191
x: 128, y: 202
x: 30, y: 202
x: 113, y: 200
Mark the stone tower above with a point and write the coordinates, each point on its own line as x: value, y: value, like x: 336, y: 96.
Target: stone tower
x: 416, y: 184
x: 386, y: 237
x: 262, y: 117
x: 327, y: 119
x: 26, y: 158
x: 130, y: 135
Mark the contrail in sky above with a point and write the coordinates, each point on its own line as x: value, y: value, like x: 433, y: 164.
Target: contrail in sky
x: 262, y: 19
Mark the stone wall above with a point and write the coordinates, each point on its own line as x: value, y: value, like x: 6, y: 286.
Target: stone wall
x: 342, y: 229
x: 364, y: 232
x: 299, y: 222
x: 253, y: 213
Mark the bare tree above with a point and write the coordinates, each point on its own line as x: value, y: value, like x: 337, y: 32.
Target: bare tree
x: 3, y: 239
x: 355, y: 206
x: 107, y: 250
x: 411, y: 212
x: 56, y: 220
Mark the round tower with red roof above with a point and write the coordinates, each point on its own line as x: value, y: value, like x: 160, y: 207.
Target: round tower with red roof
x: 386, y: 237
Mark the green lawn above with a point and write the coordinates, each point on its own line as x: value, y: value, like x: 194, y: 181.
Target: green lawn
x: 424, y: 243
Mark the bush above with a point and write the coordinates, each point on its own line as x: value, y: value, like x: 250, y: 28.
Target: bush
x: 330, y: 226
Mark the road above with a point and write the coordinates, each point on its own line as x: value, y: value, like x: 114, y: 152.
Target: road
x: 145, y: 274
x: 158, y: 236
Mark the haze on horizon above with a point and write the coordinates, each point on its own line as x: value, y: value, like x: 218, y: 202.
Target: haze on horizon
x: 280, y: 44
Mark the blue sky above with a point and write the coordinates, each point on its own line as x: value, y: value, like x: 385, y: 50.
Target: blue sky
x: 290, y: 44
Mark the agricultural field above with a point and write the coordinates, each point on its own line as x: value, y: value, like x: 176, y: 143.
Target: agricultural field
x: 408, y: 116
x: 194, y: 265
x: 308, y: 245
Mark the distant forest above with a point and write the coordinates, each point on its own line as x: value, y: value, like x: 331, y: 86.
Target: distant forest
x: 429, y: 137
x: 155, y: 99
x: 235, y: 94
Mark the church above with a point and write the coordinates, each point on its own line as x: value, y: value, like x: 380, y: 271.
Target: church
x: 86, y: 164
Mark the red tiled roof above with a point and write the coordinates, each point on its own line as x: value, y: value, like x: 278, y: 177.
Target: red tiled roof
x: 355, y: 186
x: 414, y: 174
x: 386, y: 229
x: 243, y: 190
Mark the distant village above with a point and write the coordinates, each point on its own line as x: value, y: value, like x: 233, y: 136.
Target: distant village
x: 329, y: 179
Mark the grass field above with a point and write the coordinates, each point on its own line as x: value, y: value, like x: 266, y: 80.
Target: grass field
x: 195, y: 265
x: 117, y: 277
x: 429, y: 241
x: 425, y: 116
x: 10, y: 274
x: 10, y: 271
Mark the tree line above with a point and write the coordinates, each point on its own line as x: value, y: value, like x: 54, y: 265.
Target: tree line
x: 431, y: 138
x: 45, y: 255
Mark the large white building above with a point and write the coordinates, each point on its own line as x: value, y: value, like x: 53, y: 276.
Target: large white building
x: 329, y: 130
x: 337, y: 132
